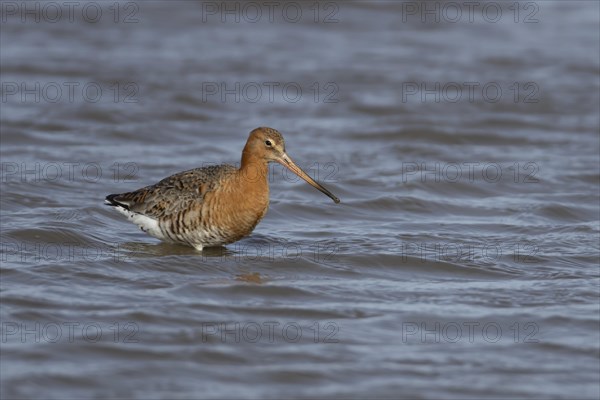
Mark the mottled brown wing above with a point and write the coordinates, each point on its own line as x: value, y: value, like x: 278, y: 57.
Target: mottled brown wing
x: 170, y: 196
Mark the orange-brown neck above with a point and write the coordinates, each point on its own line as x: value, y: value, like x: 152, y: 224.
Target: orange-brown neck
x: 253, y: 172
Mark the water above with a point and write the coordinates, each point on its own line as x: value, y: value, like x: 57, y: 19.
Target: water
x: 461, y: 263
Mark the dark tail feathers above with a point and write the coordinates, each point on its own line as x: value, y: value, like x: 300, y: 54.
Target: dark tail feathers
x: 111, y: 201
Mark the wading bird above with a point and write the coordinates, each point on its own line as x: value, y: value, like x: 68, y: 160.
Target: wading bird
x: 215, y: 205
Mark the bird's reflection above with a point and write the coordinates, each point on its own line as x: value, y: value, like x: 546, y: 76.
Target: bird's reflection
x: 250, y: 277
x: 134, y: 250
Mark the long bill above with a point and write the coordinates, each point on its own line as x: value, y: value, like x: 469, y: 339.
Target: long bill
x: 286, y: 161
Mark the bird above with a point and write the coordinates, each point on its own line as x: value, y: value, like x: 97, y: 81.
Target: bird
x: 214, y: 205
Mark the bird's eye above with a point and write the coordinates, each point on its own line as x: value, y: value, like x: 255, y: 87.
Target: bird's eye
x: 268, y: 143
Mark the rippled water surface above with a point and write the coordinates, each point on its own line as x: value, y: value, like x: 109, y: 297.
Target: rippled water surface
x: 461, y: 263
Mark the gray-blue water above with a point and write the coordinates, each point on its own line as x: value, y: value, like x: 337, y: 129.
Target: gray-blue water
x: 461, y: 263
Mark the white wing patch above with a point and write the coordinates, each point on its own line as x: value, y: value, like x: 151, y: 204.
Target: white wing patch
x: 196, y: 238
x: 147, y: 224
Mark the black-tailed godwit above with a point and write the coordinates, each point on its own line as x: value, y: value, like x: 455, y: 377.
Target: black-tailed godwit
x: 211, y: 206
